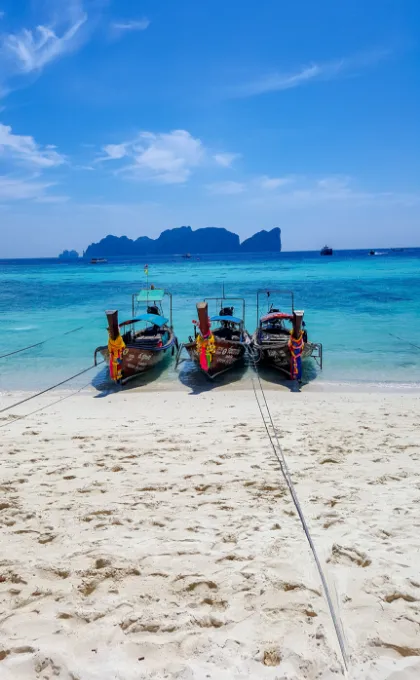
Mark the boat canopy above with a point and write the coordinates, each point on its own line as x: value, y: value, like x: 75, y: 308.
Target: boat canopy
x: 276, y: 315
x: 150, y: 295
x: 155, y: 319
x: 227, y: 317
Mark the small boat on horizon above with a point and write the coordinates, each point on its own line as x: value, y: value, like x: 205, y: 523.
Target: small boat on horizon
x: 326, y: 250
x: 133, y: 349
x: 281, y: 339
x: 186, y: 256
x: 98, y: 260
x: 219, y: 341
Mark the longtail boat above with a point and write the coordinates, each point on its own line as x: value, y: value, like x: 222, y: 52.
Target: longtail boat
x: 142, y: 342
x: 219, y: 341
x: 281, y: 339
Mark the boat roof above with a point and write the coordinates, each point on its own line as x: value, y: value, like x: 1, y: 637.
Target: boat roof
x: 226, y: 317
x: 150, y: 295
x: 276, y: 315
x: 155, y: 319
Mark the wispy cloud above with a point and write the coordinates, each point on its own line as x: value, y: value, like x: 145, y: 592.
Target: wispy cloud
x: 324, y: 71
x: 272, y: 183
x: 53, y: 199
x: 24, y: 149
x: 229, y: 188
x: 131, y: 25
x: 114, y: 152
x: 226, y: 160
x: 26, y: 188
x: 30, y: 50
x: 26, y: 162
x: 330, y: 190
x: 164, y: 157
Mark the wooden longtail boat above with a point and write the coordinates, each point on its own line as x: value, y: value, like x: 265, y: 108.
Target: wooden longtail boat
x: 281, y: 339
x: 133, y: 349
x: 219, y: 342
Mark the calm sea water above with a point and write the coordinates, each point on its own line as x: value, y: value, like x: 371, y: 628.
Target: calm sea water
x: 354, y: 304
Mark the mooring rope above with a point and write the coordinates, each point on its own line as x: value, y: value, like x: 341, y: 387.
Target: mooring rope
x: 402, y: 340
x: 52, y: 387
x: 278, y: 452
x: 16, y: 419
x: 38, y: 344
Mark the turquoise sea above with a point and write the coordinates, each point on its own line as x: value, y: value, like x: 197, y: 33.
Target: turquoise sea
x: 354, y: 304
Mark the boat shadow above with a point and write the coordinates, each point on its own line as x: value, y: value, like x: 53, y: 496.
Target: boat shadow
x: 105, y: 386
x: 191, y: 376
x: 271, y: 375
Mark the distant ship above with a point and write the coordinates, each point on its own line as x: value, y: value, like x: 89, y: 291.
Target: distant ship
x: 98, y: 260
x: 187, y: 256
x: 326, y: 251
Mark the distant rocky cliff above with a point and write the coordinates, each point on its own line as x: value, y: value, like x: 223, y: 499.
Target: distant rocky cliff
x: 263, y: 242
x: 68, y: 255
x: 185, y: 240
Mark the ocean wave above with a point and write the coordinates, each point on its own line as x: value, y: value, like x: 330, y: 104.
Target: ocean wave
x: 23, y: 329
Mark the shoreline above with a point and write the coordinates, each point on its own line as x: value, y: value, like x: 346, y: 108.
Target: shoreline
x: 199, y: 384
x: 152, y: 533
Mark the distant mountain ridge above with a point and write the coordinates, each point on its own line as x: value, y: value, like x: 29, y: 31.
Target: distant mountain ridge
x: 184, y: 240
x: 68, y: 255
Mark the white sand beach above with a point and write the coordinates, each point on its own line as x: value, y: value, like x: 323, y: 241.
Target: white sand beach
x: 152, y: 535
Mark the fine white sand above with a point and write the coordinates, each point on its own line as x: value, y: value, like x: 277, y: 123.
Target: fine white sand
x: 151, y: 535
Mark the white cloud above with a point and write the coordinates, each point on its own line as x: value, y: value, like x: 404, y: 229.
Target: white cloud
x: 31, y: 50
x: 18, y: 189
x: 114, y: 152
x: 131, y: 25
x: 275, y: 82
x: 331, y: 190
x: 271, y: 183
x: 164, y: 157
x: 226, y: 188
x: 25, y: 149
x: 226, y: 159
x: 279, y: 81
x: 53, y: 199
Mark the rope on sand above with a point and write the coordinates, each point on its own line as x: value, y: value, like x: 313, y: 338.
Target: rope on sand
x: 38, y: 344
x: 278, y: 452
x: 48, y: 389
x: 44, y: 408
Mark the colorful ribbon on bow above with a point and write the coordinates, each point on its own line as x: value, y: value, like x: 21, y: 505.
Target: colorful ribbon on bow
x: 115, y: 349
x: 205, y: 349
x: 296, y: 348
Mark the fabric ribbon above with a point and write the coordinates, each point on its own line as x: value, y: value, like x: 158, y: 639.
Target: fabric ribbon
x: 296, y: 346
x: 205, y: 349
x: 115, y: 349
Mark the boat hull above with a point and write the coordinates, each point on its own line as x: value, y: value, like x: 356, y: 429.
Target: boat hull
x: 227, y: 355
x: 136, y: 361
x: 278, y: 356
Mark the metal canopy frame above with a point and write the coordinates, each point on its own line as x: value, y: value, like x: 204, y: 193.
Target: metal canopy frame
x: 268, y: 293
x: 135, y: 301
x: 221, y: 298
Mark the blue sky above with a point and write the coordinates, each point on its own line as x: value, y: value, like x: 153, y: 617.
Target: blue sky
x: 133, y: 116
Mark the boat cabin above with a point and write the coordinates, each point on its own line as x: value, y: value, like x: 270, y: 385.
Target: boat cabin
x: 155, y: 334
x: 229, y: 327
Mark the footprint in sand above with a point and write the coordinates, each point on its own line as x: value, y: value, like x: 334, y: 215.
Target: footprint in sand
x: 343, y: 555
